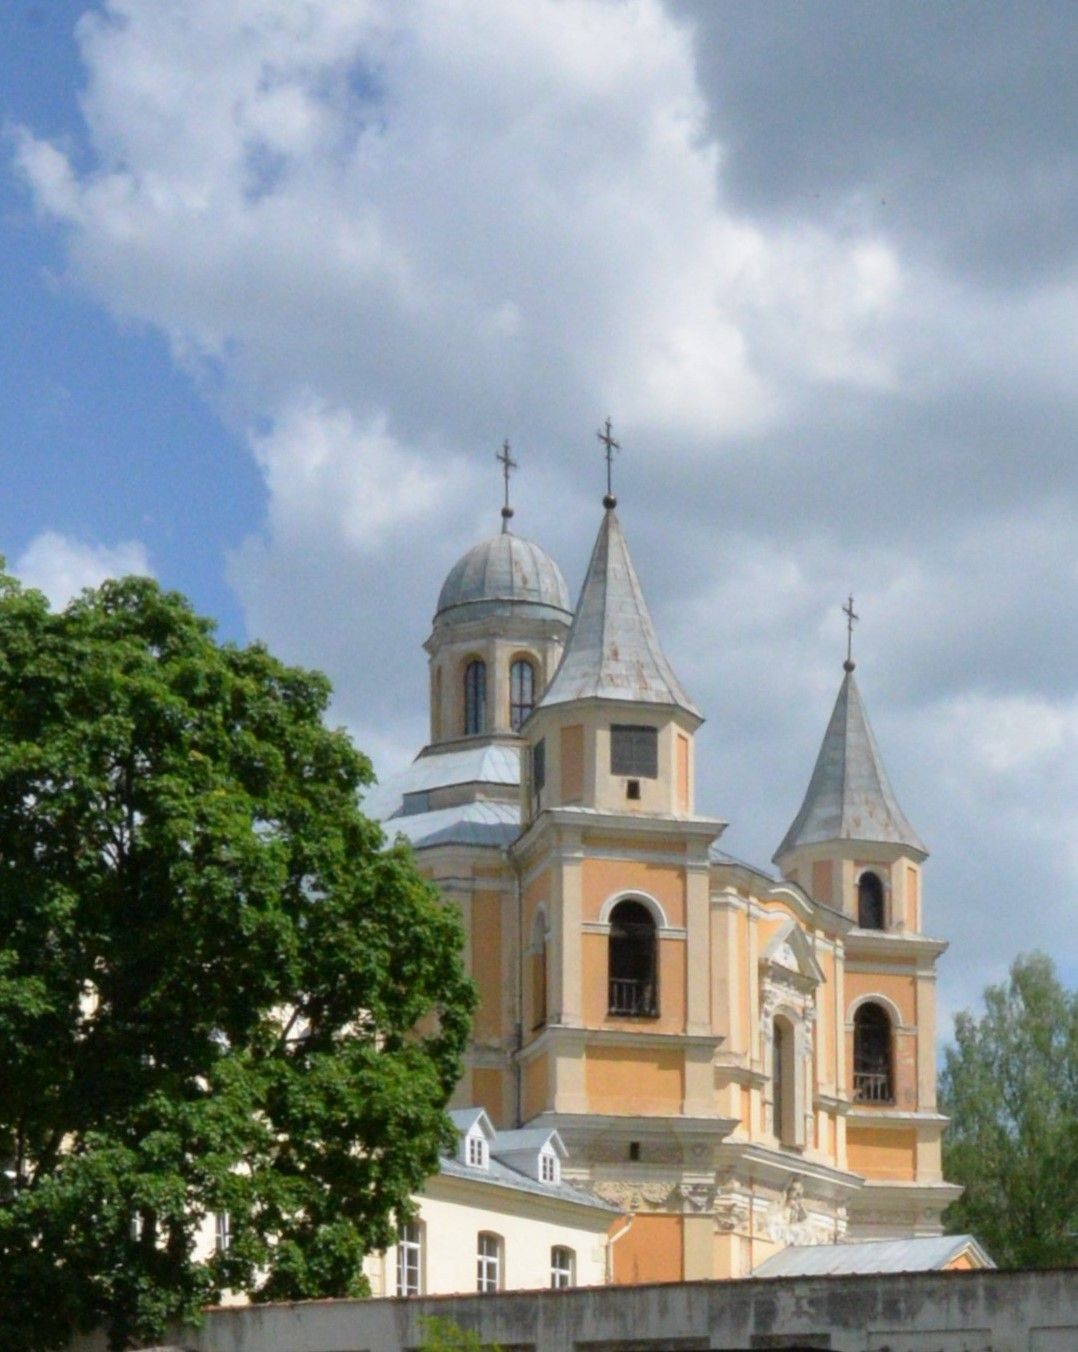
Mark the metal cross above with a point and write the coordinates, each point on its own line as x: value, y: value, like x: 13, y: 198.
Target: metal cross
x: 851, y: 619
x: 607, y: 439
x: 508, y: 464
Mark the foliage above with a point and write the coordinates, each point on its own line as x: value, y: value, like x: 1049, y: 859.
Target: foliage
x: 1010, y: 1086
x: 443, y: 1335
x: 219, y: 989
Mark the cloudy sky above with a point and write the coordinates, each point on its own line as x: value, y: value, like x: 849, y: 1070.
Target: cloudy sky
x: 279, y: 276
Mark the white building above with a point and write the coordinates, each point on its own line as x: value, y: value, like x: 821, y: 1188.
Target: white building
x: 498, y: 1217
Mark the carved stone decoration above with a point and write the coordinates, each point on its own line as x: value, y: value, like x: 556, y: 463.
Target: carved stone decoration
x: 789, y: 1221
x: 696, y: 1197
x: 732, y: 1211
x: 635, y: 1196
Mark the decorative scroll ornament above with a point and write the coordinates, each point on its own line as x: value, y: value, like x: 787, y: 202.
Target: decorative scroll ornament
x: 636, y: 1196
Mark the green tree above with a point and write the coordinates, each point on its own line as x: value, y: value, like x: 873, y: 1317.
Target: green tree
x: 1010, y: 1086
x: 220, y: 991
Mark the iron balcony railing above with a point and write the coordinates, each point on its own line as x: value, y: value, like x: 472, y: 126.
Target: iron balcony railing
x: 629, y: 995
x: 872, y: 1086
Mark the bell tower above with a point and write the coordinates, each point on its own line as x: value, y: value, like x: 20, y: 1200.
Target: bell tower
x: 852, y: 848
x: 618, y: 1033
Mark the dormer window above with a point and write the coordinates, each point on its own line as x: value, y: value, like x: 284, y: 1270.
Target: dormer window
x: 634, y: 751
x: 475, y: 1151
x: 548, y: 1167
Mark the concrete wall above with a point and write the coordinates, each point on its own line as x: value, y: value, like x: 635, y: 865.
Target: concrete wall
x: 927, y: 1312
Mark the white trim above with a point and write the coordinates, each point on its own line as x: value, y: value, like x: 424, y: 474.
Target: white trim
x: 634, y: 894
x: 897, y: 1022
x: 598, y: 927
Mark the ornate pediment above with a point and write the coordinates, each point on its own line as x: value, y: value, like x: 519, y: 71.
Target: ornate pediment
x: 789, y: 952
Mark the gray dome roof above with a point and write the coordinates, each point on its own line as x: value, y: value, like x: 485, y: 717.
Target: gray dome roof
x: 501, y: 573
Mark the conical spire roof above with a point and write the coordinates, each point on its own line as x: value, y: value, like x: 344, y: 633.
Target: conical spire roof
x: 849, y: 796
x: 612, y: 651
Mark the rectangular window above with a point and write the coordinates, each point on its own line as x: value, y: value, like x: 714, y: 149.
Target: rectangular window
x: 410, y: 1260
x: 562, y: 1267
x: 548, y: 1168
x: 539, y: 765
x: 634, y: 751
x: 489, y: 1263
x: 477, y: 1152
x: 222, y: 1231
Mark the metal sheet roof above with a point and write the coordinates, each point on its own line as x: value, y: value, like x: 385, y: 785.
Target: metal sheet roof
x: 612, y: 651
x: 849, y: 796
x: 497, y: 764
x: 478, y: 823
x: 503, y: 569
x: 926, y: 1254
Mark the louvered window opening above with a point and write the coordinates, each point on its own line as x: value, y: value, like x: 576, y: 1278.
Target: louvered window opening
x: 475, y: 698
x: 634, y: 751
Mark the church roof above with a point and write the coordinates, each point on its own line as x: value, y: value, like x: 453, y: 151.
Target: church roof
x: 502, y: 570
x: 849, y: 796
x: 612, y: 651
x: 922, y: 1253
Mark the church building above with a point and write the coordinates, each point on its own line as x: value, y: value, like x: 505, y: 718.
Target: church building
x: 740, y: 1060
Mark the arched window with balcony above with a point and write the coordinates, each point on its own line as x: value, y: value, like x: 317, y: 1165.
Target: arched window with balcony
x: 475, y: 697
x: 521, y: 692
x: 873, y: 1057
x: 870, y: 902
x: 633, y: 961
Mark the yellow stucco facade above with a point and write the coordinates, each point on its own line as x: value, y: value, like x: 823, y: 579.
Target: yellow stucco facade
x: 739, y: 1059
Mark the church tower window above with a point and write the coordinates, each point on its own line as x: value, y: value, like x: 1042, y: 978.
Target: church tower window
x: 521, y: 692
x: 873, y: 1072
x: 475, y: 697
x: 782, y: 1081
x: 634, y: 750
x: 633, y: 961
x: 870, y: 902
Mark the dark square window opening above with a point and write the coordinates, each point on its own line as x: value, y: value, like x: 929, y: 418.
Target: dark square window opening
x: 634, y: 750
x: 632, y: 790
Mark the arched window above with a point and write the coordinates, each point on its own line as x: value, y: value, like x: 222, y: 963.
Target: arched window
x: 521, y: 692
x: 475, y: 697
x: 488, y: 1265
x: 873, y: 1069
x: 869, y: 901
x: 562, y: 1267
x: 633, y: 961
x: 782, y: 1082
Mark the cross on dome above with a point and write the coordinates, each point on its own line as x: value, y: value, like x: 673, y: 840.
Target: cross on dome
x: 851, y: 620
x: 508, y: 464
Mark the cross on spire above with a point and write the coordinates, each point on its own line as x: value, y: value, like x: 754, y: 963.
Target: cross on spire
x: 508, y: 464
x: 610, y: 445
x: 851, y: 619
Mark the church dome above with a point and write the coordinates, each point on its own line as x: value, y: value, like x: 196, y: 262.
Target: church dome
x: 504, y: 575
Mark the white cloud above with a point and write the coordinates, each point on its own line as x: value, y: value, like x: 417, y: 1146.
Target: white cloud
x: 61, y: 566
x: 398, y: 230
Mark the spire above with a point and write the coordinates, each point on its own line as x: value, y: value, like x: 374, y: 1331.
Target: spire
x: 612, y: 651
x: 849, y: 796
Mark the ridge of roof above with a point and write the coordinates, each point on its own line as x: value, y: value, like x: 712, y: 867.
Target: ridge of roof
x: 849, y: 796
x: 612, y: 650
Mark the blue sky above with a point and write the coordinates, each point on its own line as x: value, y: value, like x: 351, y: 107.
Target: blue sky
x: 280, y: 275
x: 103, y: 439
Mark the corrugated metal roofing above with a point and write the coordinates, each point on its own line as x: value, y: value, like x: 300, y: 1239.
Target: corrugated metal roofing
x: 926, y: 1254
x: 612, y: 651
x: 849, y: 796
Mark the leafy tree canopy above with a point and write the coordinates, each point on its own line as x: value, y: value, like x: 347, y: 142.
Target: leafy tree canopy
x: 219, y: 990
x: 1010, y: 1085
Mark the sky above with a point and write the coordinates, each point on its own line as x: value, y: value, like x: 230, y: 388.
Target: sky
x: 277, y: 277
